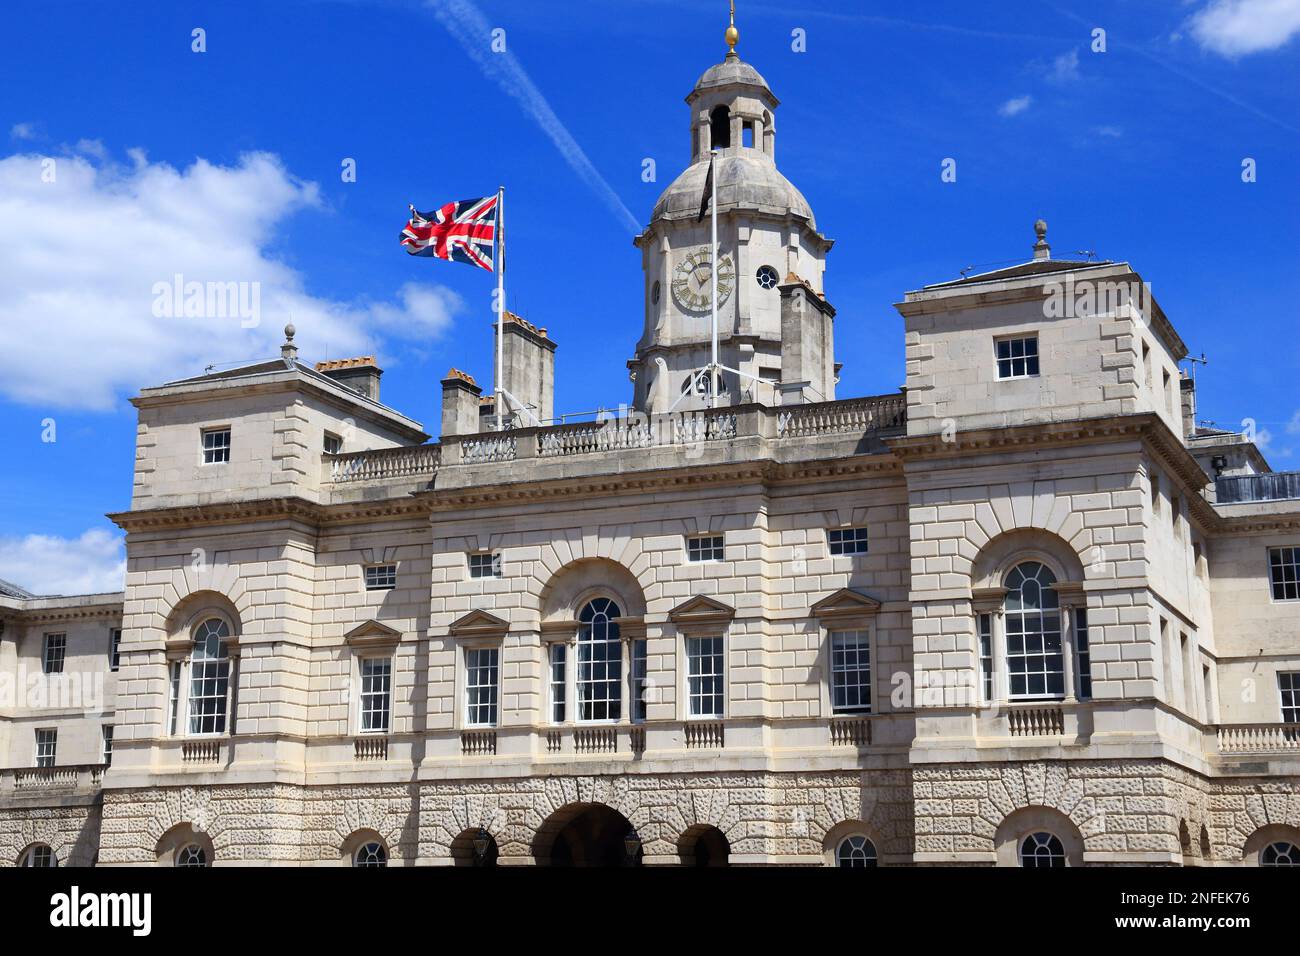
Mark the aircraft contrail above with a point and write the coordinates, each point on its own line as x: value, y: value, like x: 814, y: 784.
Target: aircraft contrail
x: 471, y: 30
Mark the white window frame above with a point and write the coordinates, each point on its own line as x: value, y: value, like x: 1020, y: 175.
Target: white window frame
x: 859, y: 847
x: 557, y: 688
x: 481, y: 568
x: 472, y: 669
x: 1011, y: 341
x: 366, y: 696
x: 863, y: 636
x: 1288, y: 695
x: 852, y: 541
x: 55, y: 643
x: 47, y: 747
x: 106, y: 744
x: 379, y: 577
x: 114, y: 648
x: 715, y: 654
x: 638, y: 670
x: 1048, y: 617
x: 611, y: 609
x: 180, y: 696
x: 215, y: 452
x: 706, y: 548
x: 337, y: 440
x: 1293, y: 551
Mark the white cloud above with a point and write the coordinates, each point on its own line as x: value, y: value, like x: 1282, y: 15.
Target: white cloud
x: 44, y: 564
x: 1293, y: 426
x: 1015, y: 106
x: 23, y: 131
x: 1235, y: 28
x: 1065, y: 68
x: 80, y: 258
x: 470, y: 28
x: 1114, y: 132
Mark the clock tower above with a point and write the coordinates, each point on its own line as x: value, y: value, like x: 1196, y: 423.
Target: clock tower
x: 774, y: 324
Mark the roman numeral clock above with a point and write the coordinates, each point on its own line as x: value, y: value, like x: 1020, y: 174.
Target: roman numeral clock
x: 692, y: 285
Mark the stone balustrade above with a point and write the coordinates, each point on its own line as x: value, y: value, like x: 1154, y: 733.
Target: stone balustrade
x: 22, y: 785
x: 881, y: 413
x: 380, y: 464
x: 1259, y: 738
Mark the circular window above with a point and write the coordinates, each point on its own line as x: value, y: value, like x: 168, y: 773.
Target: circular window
x: 767, y: 277
x: 371, y: 854
x: 654, y: 293
x: 1041, y: 849
x: 1280, y: 854
x: 856, y: 850
x: 192, y: 855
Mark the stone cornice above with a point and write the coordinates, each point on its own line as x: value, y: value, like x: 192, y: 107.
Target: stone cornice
x: 1146, y: 426
x: 24, y: 616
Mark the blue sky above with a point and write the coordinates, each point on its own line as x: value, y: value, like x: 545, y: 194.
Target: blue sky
x: 225, y: 165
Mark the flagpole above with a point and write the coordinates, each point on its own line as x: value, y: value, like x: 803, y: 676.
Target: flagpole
x: 498, y: 404
x: 713, y: 280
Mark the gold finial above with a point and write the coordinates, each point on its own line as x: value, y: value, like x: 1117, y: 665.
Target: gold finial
x: 732, y: 35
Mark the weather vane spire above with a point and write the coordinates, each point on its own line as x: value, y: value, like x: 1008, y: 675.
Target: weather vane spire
x: 732, y: 34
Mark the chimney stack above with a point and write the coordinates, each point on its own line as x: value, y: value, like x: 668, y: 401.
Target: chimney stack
x: 460, y: 404
x: 528, y: 367
x: 1187, y: 392
x: 360, y: 374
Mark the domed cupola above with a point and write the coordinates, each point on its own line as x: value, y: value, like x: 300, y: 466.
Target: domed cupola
x: 767, y: 240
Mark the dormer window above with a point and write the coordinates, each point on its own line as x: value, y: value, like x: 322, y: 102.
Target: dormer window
x: 1018, y: 357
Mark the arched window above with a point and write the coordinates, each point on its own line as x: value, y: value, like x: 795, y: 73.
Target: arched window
x: 39, y: 854
x: 1035, y: 663
x: 1280, y: 854
x: 209, y: 682
x: 1041, y: 849
x: 855, y: 850
x: 192, y: 855
x: 370, y: 854
x: 720, y: 127
x: 600, y: 661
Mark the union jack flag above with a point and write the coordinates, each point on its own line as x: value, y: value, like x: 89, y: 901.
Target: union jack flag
x: 461, y: 231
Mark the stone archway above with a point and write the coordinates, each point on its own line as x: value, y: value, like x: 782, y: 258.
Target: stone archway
x: 704, y: 845
x: 585, y: 834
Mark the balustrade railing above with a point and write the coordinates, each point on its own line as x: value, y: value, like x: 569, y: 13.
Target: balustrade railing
x: 877, y: 413
x: 478, y: 743
x: 705, y: 734
x: 1036, y: 721
x: 1258, y: 738
x: 371, y: 748
x: 383, y: 463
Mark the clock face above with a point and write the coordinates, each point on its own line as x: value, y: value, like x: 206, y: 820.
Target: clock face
x: 692, y: 280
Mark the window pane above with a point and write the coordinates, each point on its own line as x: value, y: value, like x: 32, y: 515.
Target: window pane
x: 481, y: 686
x: 600, y: 662
x: 376, y: 694
x: 1035, y: 663
x: 559, y: 681
x: 850, y: 672
x: 704, y: 676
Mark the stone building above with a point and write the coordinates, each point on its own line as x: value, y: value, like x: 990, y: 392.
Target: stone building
x: 1022, y: 611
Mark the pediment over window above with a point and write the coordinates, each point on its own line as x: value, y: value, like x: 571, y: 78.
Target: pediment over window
x: 845, y: 603
x: 701, y: 610
x: 479, y: 624
x: 369, y: 634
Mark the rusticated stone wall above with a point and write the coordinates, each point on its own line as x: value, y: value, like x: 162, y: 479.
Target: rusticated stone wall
x: 71, y: 831
x: 775, y: 817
